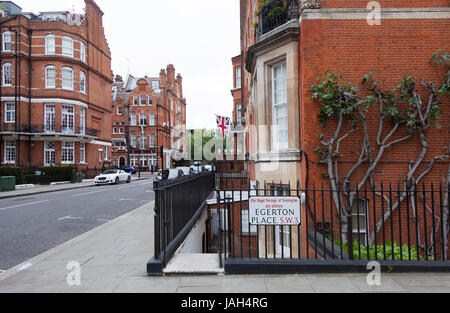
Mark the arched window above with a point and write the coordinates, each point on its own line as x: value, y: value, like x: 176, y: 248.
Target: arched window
x: 67, y: 78
x: 50, y: 77
x: 67, y: 46
x: 7, y: 41
x: 7, y: 74
x: 82, y: 82
x: 50, y: 44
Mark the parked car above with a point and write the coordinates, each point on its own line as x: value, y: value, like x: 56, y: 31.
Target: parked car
x: 170, y: 174
x: 186, y: 170
x: 129, y: 169
x: 198, y: 168
x: 208, y: 168
x: 113, y: 177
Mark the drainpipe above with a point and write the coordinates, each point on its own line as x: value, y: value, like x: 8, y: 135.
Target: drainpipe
x: 30, y: 75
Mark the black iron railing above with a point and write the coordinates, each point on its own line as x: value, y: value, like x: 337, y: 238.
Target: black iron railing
x: 275, y: 14
x: 178, y: 205
x: 398, y: 225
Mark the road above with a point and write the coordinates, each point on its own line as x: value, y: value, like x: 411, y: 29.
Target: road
x: 32, y: 225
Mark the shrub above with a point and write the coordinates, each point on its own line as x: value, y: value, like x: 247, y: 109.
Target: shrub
x: 12, y: 171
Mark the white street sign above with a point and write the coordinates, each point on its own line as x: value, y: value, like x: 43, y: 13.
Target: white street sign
x: 277, y: 211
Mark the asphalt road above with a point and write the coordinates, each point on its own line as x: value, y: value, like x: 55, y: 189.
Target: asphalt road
x: 32, y: 225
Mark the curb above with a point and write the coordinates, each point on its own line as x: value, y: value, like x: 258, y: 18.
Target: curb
x: 52, y: 191
x: 15, y: 270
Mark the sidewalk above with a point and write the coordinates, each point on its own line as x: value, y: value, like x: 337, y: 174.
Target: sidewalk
x: 38, y: 189
x: 113, y: 258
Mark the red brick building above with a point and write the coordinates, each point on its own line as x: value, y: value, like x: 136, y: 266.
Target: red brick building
x: 55, y: 88
x: 282, y: 57
x: 149, y: 117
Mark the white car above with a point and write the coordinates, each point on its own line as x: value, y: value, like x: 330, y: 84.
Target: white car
x: 113, y: 177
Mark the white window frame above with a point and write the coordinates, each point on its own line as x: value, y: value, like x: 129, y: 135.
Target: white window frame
x: 150, y: 100
x: 134, y: 141
x: 106, y: 153
x: 133, y: 161
x: 50, y: 45
x: 238, y: 77
x: 151, y: 119
x: 120, y: 110
x: 142, y: 142
x: 10, y: 113
x: 49, y: 153
x: 155, y: 85
x: 83, y: 82
x: 67, y: 47
x: 143, y: 118
x: 152, y: 141
x: 82, y: 153
x: 133, y: 119
x: 68, y: 119
x: 142, y: 103
x: 7, y: 39
x: 362, y: 231
x: 67, y: 152
x: 67, y: 82
x: 82, y: 52
x: 135, y: 101
x: 7, y: 72
x: 50, y: 118
x: 277, y: 106
x: 239, y: 114
x: 10, y: 150
x: 50, y: 82
x: 82, y: 121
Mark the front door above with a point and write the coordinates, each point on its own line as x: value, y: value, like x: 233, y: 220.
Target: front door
x: 122, y: 162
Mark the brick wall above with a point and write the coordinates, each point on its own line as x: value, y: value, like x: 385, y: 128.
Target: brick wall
x: 354, y: 48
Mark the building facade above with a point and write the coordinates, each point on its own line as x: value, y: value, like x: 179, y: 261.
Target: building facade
x: 55, y: 89
x: 283, y: 56
x: 149, y: 120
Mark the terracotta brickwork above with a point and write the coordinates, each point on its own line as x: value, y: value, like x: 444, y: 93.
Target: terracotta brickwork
x: 148, y: 113
x: 330, y: 39
x: 62, y: 72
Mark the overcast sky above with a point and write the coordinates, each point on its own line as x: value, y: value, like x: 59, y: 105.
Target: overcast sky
x: 198, y: 37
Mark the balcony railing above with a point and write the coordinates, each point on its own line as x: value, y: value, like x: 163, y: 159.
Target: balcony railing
x: 275, y: 14
x: 49, y: 130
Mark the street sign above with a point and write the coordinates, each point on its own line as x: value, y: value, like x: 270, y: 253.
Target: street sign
x: 275, y: 211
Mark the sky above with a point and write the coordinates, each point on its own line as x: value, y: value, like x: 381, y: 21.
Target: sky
x: 198, y: 37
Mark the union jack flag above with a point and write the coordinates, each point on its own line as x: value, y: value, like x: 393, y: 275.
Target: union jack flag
x: 224, y: 124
